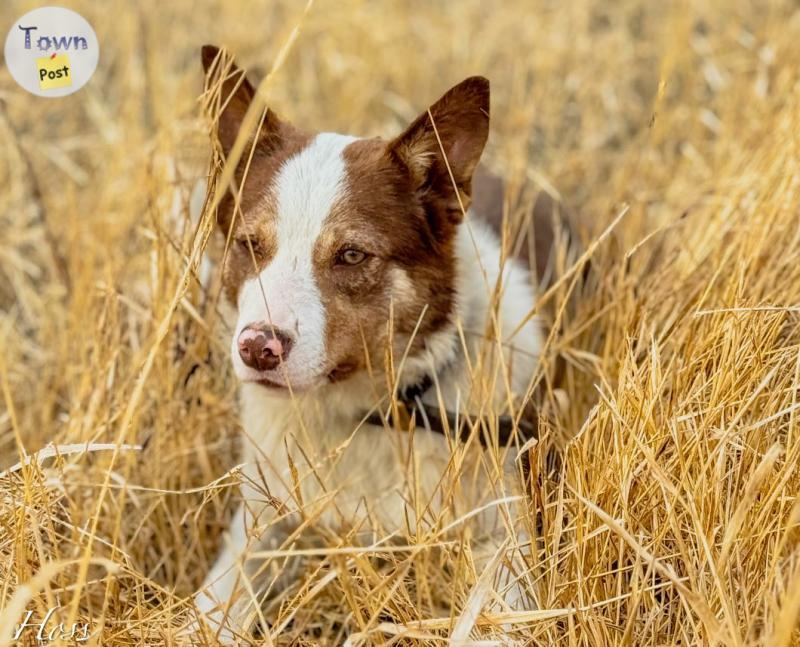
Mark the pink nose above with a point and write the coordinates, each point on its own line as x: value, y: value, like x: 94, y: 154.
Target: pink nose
x: 263, y: 347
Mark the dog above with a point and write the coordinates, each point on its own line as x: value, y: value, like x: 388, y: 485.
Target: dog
x: 382, y: 340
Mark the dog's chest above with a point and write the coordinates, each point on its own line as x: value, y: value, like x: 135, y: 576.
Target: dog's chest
x: 376, y: 479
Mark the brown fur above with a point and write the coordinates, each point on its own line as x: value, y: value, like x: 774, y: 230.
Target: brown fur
x: 384, y: 216
x: 403, y: 209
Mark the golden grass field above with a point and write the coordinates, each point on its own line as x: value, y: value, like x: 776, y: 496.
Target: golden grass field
x: 670, y: 129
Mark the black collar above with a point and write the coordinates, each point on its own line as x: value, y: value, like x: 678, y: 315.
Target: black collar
x: 412, y: 412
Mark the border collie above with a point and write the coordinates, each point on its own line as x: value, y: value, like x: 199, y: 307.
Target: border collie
x: 383, y: 342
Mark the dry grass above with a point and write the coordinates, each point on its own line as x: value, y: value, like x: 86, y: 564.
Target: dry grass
x: 674, y: 518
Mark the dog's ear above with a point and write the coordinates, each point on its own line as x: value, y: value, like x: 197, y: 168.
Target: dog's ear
x: 235, y: 92
x: 461, y: 120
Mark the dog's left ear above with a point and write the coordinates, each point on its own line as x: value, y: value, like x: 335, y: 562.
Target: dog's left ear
x: 236, y: 93
x: 461, y: 120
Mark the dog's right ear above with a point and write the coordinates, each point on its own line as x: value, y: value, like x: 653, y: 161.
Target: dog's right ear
x: 236, y: 93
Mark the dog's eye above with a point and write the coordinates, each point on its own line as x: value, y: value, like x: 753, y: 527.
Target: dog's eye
x: 351, y: 257
x: 246, y: 243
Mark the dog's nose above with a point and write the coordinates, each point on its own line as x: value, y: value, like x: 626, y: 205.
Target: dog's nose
x: 263, y: 347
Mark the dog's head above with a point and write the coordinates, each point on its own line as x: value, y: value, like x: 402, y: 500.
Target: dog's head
x: 340, y: 247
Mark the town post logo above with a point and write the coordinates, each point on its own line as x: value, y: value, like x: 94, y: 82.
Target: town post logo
x: 52, y: 51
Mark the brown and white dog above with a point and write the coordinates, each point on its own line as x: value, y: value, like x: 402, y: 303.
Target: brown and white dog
x: 357, y: 277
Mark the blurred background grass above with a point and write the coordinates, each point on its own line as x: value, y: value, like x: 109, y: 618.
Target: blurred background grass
x: 684, y: 337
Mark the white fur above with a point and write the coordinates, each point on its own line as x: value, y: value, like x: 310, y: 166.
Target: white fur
x: 366, y: 477
x: 285, y: 293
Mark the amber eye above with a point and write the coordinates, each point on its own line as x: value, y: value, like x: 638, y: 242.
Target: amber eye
x: 351, y: 257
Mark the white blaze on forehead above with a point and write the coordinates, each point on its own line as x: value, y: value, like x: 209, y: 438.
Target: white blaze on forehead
x: 306, y: 188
